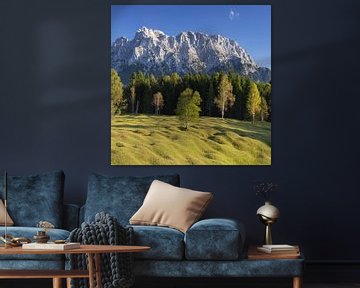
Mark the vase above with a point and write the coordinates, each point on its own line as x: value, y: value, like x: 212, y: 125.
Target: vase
x: 268, y: 214
x: 41, y: 237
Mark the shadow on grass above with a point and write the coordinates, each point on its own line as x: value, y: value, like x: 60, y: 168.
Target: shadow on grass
x: 261, y: 136
x: 129, y: 126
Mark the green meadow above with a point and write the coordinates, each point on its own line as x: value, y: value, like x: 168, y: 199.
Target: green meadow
x: 161, y: 140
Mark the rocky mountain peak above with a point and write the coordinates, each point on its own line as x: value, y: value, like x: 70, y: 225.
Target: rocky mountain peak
x: 153, y: 51
x: 148, y: 33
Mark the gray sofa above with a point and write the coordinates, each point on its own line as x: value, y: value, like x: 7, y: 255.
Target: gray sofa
x: 32, y: 199
x: 210, y: 248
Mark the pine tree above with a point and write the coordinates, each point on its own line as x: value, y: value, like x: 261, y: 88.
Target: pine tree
x: 265, y: 92
x: 187, y: 107
x: 253, y: 101
x: 147, y: 97
x: 116, y: 92
x: 225, y: 98
x: 158, y: 102
x: 210, y: 98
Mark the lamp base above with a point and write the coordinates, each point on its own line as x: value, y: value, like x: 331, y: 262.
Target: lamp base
x: 268, y: 237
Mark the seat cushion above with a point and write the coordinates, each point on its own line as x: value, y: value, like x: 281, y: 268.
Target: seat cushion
x: 165, y: 243
x: 214, y: 239
x: 213, y: 269
x: 121, y: 197
x: 39, y: 264
x: 35, y: 198
x: 29, y: 232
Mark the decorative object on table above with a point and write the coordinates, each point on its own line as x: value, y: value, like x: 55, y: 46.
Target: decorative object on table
x: 116, y: 268
x: 41, y: 236
x: 255, y: 254
x: 59, y: 241
x: 11, y: 241
x: 268, y: 213
x: 45, y: 225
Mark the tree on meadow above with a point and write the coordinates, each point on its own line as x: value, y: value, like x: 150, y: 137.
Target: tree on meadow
x: 225, y: 98
x: 158, y: 102
x: 264, y: 110
x: 253, y: 101
x: 187, y: 108
x: 265, y: 92
x: 116, y: 93
x: 132, y: 98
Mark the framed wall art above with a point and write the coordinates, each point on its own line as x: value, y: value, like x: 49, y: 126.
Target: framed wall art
x: 191, y: 85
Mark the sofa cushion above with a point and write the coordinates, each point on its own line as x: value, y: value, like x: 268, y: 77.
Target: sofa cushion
x: 29, y: 232
x: 35, y: 198
x: 214, y: 239
x: 9, y: 221
x: 165, y: 243
x: 170, y: 206
x: 121, y: 197
x: 38, y: 264
x: 214, y: 269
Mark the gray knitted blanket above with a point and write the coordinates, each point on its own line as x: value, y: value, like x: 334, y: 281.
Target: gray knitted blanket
x: 116, y: 268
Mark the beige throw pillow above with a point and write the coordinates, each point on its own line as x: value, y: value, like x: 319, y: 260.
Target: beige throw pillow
x: 170, y: 206
x: 10, y: 222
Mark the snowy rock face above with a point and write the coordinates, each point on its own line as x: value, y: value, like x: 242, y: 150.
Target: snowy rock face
x: 152, y: 51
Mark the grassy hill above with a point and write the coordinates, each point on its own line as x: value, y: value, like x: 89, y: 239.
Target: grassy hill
x: 160, y: 140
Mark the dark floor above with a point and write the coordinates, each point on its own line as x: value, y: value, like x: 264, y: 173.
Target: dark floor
x: 241, y: 284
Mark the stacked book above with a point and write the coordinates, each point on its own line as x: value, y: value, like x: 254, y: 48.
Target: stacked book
x: 51, y: 246
x: 273, y: 252
x: 279, y: 249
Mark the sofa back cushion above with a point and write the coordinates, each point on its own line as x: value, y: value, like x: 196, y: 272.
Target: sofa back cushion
x: 119, y: 196
x: 35, y: 198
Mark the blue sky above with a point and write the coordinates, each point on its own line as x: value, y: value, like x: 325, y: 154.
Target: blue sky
x: 249, y: 25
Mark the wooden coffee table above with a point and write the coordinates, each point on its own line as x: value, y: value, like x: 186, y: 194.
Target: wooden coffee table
x: 92, y: 251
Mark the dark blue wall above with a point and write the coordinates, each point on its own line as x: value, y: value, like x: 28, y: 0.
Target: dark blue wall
x: 55, y: 114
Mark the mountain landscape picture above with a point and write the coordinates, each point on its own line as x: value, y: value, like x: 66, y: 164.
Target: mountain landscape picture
x: 191, y: 85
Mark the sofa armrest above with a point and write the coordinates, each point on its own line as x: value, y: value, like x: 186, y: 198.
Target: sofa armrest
x: 215, y: 239
x: 71, y: 216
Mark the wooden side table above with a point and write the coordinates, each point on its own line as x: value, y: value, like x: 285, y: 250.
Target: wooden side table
x: 93, y: 251
x: 254, y: 254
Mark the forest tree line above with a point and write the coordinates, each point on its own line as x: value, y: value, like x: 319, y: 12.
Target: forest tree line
x: 227, y: 95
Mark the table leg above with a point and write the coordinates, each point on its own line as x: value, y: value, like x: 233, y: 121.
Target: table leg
x: 91, y: 270
x: 98, y: 270
x: 297, y: 282
x: 57, y: 283
x: 68, y: 282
